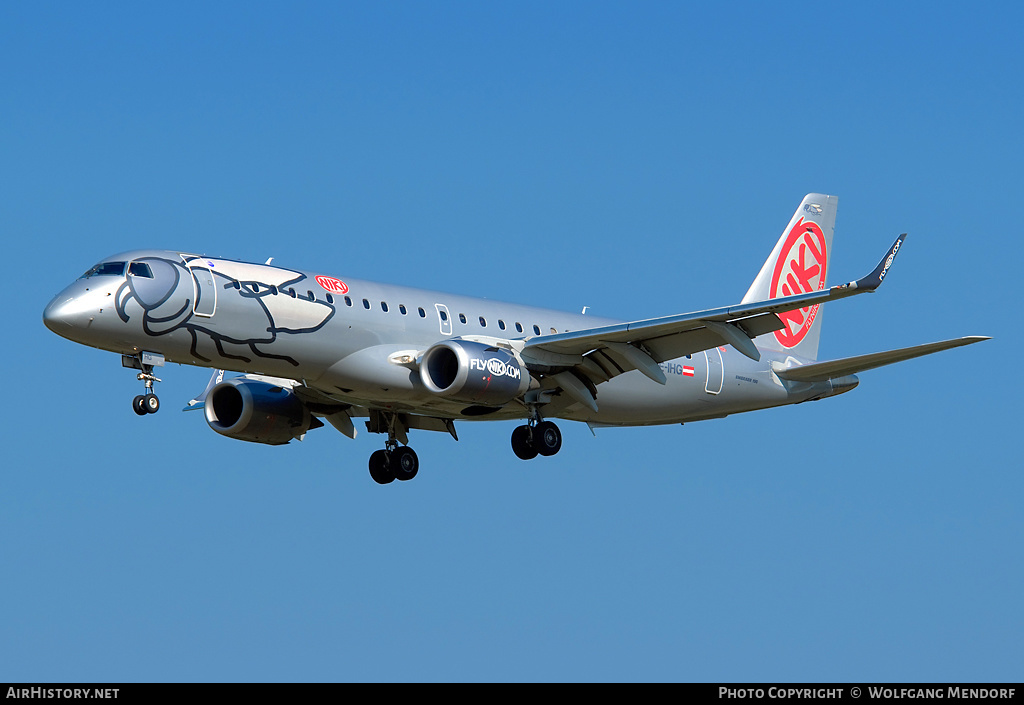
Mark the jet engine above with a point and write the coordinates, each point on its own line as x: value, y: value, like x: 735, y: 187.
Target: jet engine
x: 473, y: 372
x: 258, y: 412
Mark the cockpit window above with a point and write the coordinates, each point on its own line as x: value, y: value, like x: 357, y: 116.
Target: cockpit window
x: 140, y: 269
x: 106, y: 269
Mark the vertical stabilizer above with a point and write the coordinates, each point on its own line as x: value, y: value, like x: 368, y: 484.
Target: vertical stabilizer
x: 797, y: 265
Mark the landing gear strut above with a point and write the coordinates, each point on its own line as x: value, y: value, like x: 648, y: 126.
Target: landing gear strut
x: 531, y: 440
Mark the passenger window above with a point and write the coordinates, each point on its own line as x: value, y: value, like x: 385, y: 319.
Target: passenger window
x: 140, y: 269
x: 462, y: 318
x: 291, y: 292
x: 256, y: 289
x: 483, y: 322
x: 366, y: 304
x: 501, y: 324
x: 444, y: 314
x: 384, y: 306
x: 536, y: 329
x: 519, y: 327
x: 310, y: 294
x: 423, y: 314
x: 330, y: 299
x: 273, y: 290
x: 553, y: 331
x: 348, y: 300
x: 401, y: 309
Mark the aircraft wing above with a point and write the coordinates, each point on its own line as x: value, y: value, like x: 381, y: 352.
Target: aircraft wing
x: 821, y: 371
x: 598, y: 354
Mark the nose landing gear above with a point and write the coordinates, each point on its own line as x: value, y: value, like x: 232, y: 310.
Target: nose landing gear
x: 147, y: 403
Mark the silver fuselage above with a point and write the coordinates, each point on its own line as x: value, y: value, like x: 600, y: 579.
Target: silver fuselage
x: 344, y: 337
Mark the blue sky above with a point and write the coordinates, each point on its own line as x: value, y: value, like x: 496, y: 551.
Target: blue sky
x: 640, y: 159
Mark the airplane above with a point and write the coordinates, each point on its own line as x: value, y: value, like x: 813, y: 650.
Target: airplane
x: 311, y: 345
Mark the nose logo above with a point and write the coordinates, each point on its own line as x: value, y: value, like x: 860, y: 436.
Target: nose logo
x: 332, y: 284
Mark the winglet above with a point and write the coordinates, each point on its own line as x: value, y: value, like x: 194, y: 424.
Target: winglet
x: 874, y: 280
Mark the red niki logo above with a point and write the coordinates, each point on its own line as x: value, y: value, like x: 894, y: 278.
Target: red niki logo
x: 332, y: 284
x: 800, y: 269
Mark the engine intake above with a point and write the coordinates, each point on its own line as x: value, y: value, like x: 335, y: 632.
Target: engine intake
x: 257, y: 412
x: 473, y: 372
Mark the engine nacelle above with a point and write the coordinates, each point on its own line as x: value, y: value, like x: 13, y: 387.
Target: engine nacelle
x: 473, y: 372
x: 258, y: 412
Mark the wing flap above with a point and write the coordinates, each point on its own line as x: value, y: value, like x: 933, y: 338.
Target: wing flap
x: 670, y: 347
x: 822, y: 371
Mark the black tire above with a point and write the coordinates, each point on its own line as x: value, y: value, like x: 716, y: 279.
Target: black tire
x: 139, y: 405
x: 151, y: 403
x: 404, y: 463
x: 380, y: 468
x: 547, y: 438
x: 522, y: 443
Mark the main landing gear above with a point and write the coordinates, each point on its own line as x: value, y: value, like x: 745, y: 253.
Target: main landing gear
x: 531, y: 440
x: 395, y: 462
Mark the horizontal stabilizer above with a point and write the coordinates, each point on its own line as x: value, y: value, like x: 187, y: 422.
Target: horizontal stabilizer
x: 821, y: 371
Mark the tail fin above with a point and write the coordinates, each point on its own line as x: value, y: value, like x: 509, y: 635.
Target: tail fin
x: 797, y: 265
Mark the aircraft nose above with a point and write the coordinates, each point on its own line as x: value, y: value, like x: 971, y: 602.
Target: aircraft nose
x: 68, y: 310
x: 56, y: 315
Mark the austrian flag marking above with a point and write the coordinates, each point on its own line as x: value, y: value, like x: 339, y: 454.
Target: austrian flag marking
x: 800, y: 269
x: 332, y: 284
x: 687, y: 371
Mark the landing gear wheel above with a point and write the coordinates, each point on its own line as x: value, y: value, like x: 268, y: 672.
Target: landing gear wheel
x: 547, y: 438
x: 404, y: 463
x: 151, y: 403
x: 380, y: 468
x: 522, y: 443
x: 139, y: 405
